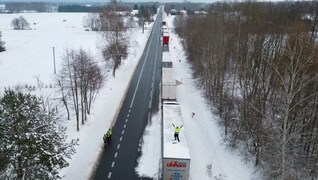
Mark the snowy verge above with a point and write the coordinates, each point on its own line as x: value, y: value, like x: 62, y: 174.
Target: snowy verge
x: 113, y: 121
x: 149, y: 162
x: 210, y: 157
x: 104, y: 114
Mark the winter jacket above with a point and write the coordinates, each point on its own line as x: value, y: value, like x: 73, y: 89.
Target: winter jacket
x: 177, y: 129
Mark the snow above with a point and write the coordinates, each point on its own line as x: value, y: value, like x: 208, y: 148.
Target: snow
x: 171, y: 148
x: 210, y: 157
x: 30, y: 52
x: 149, y: 162
x: 29, y: 55
x: 166, y: 77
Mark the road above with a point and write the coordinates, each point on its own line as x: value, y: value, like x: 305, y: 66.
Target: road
x: 119, y: 160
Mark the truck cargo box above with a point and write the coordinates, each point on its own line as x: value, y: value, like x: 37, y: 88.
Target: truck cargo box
x: 165, y: 39
x: 166, y: 57
x: 169, y: 85
x: 169, y: 91
x: 176, y: 156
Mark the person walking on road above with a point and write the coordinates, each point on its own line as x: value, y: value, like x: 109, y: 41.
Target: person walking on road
x: 107, y: 137
x: 176, y: 132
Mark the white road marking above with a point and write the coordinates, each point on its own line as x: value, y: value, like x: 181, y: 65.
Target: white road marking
x: 149, y: 105
x: 125, y: 125
x: 121, y: 138
x: 109, y: 175
x: 118, y: 146
x: 127, y: 115
x: 113, y: 164
x: 115, y: 155
x: 126, y: 120
x: 123, y: 132
x: 142, y: 69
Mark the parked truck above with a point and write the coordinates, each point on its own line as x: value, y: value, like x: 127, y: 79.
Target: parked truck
x: 168, y: 82
x: 169, y: 86
x: 176, y: 155
x: 165, y: 39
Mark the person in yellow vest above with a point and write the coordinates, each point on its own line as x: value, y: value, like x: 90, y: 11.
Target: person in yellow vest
x: 108, y: 137
x: 177, y: 129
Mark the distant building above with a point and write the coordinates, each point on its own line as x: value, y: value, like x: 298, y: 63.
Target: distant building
x: 173, y: 11
x: 135, y: 12
x: 183, y: 12
x: 2, y: 7
x: 201, y: 12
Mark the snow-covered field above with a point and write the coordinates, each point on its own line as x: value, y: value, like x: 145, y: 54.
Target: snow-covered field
x: 29, y: 56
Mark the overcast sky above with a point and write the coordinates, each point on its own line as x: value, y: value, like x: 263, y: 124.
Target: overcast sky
x: 89, y: 1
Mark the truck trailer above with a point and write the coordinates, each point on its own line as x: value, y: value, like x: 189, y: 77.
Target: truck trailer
x: 176, y: 156
x: 165, y: 39
x: 168, y: 83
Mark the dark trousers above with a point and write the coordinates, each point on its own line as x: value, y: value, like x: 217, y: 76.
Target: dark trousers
x: 107, y: 141
x: 176, y: 137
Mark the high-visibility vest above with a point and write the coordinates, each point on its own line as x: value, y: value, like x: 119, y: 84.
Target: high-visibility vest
x: 177, y: 130
x: 109, y: 133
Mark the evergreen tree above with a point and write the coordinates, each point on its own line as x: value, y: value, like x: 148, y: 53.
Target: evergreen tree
x: 136, y: 7
x: 32, y: 143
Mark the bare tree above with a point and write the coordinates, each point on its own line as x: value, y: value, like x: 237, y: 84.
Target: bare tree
x: 143, y: 16
x: 69, y: 68
x: 257, y: 63
x: 79, y: 79
x: 60, y: 80
x: 20, y: 23
x: 94, y: 22
x: 114, y: 32
x: 295, y: 74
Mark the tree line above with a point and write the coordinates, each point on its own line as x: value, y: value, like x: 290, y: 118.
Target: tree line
x: 257, y: 63
x: 78, y: 8
x: 17, y: 7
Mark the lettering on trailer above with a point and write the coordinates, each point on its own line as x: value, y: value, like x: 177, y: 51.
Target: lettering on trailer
x: 176, y: 164
x: 176, y: 169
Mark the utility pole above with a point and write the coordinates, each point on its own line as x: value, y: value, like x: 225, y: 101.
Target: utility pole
x: 54, y: 59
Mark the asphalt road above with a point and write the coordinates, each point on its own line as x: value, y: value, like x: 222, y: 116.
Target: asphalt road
x: 119, y: 159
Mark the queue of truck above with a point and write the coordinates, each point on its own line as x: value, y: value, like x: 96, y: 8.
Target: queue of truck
x: 175, y: 154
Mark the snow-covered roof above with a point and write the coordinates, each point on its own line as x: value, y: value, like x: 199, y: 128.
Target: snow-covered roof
x: 171, y: 148
x: 164, y: 27
x: 134, y: 12
x: 167, y: 76
x: 166, y: 56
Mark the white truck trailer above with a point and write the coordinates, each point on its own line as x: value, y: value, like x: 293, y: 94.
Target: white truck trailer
x: 169, y: 85
x: 176, y: 156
